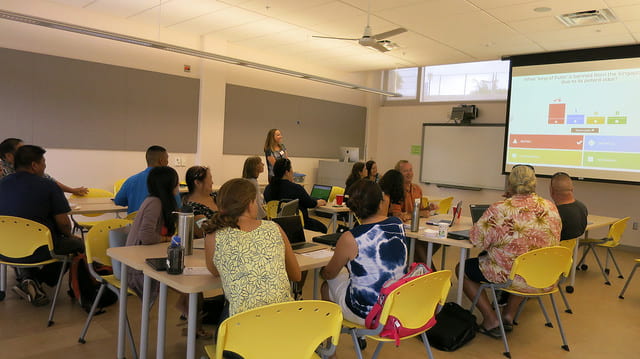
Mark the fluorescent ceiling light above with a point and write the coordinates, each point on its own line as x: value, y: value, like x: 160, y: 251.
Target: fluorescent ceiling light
x: 27, y: 19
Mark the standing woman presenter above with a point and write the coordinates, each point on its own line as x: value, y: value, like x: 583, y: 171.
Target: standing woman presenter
x: 274, y: 149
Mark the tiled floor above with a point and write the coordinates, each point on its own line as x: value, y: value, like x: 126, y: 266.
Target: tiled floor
x: 602, y: 326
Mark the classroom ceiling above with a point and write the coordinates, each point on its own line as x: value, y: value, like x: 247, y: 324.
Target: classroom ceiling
x: 439, y: 31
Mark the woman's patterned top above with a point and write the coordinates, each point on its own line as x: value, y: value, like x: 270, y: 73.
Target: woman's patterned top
x: 510, y: 228
x: 252, y: 267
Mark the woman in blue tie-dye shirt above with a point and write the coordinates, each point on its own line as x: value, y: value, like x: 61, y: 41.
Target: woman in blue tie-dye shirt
x: 367, y: 256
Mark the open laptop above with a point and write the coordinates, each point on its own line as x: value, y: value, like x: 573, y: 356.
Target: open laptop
x: 477, y: 210
x: 289, y: 208
x: 320, y: 191
x: 292, y: 227
x: 330, y: 239
x: 449, y: 221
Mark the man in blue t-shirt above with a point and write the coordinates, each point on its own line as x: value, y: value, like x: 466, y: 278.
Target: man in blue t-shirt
x: 27, y: 194
x: 134, y: 190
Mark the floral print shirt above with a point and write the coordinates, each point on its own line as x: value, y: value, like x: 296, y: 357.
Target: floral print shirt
x: 510, y: 228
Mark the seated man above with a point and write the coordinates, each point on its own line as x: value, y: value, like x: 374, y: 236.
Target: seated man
x: 134, y: 189
x: 8, y: 149
x: 573, y: 213
x: 27, y: 194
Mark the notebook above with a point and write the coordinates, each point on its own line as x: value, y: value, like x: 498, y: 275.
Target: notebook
x: 477, y: 210
x: 320, y: 191
x: 292, y: 227
x: 159, y: 264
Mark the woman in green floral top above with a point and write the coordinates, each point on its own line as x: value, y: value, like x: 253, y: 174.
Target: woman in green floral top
x: 507, y: 229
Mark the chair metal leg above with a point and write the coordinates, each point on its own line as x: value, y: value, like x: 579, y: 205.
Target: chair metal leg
x: 544, y: 312
x: 356, y: 345
x: 92, y: 312
x: 377, y: 351
x: 587, y: 248
x: 427, y: 346
x: 565, y: 346
x: 496, y: 306
x: 3, y: 281
x: 444, y: 255
x: 131, y: 341
x: 57, y: 291
x: 626, y: 284
x: 615, y: 263
x: 606, y: 277
x: 520, y: 308
x: 475, y: 299
x: 566, y: 302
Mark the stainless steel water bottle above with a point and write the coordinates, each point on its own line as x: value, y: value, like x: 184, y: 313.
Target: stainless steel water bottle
x: 415, y: 216
x: 185, y: 228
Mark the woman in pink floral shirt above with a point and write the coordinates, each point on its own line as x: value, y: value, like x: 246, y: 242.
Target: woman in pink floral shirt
x: 507, y: 229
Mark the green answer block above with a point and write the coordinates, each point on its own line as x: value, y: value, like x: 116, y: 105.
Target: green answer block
x: 629, y: 161
x: 548, y: 157
x: 617, y: 120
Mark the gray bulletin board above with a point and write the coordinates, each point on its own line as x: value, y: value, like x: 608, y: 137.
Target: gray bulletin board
x: 311, y: 127
x: 57, y: 102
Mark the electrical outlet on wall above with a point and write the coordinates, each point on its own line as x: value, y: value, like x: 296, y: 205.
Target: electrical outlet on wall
x: 179, y: 161
x: 635, y: 226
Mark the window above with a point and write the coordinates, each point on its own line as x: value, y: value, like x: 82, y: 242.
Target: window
x: 404, y: 82
x: 487, y: 80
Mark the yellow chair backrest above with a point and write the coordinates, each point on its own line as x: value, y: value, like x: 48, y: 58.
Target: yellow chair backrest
x: 96, y: 241
x: 290, y: 330
x: 543, y: 267
x: 335, y: 191
x: 118, y: 185
x: 570, y: 244
x: 414, y: 303
x: 94, y: 193
x: 615, y: 232
x: 131, y: 216
x: 20, y: 237
x: 444, y: 205
x: 271, y: 209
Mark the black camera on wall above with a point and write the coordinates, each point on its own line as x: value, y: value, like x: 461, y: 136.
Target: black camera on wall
x: 463, y: 114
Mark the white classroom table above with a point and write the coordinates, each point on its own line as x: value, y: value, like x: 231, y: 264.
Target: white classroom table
x: 134, y: 257
x: 334, y: 210
x: 94, y: 205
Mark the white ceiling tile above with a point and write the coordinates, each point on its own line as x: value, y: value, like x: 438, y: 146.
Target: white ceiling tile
x: 491, y: 4
x: 123, y: 8
x: 177, y: 11
x: 626, y: 13
x: 525, y: 11
x: 542, y: 24
x: 76, y: 3
x: 217, y: 21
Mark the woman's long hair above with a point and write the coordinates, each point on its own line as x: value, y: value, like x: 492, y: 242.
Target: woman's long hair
x: 270, y: 142
x: 233, y: 200
x: 161, y: 183
x: 250, y: 169
x: 355, y: 174
x: 392, y: 184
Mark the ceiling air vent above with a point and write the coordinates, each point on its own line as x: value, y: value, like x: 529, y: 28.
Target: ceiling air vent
x: 588, y: 17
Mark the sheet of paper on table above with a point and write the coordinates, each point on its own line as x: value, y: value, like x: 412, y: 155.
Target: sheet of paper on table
x: 323, y: 253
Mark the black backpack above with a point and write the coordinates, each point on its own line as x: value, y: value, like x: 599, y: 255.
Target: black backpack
x: 84, y: 287
x: 455, y: 327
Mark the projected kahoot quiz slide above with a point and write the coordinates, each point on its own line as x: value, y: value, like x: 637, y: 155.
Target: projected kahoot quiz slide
x: 576, y: 120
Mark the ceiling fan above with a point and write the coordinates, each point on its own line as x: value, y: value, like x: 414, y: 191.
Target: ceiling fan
x: 377, y: 41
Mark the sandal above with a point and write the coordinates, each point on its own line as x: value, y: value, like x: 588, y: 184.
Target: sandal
x: 508, y: 327
x: 493, y: 333
x: 200, y: 333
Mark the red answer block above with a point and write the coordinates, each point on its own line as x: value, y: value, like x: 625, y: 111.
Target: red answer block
x: 560, y: 142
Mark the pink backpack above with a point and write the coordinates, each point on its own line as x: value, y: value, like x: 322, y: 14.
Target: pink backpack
x: 393, y: 329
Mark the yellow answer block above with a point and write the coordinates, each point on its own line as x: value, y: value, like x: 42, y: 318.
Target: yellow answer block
x: 546, y: 157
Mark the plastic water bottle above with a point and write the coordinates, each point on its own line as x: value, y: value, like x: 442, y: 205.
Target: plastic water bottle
x: 415, y: 216
x: 175, y: 256
x: 185, y: 228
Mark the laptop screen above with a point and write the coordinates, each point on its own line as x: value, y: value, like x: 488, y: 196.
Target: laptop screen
x: 292, y: 227
x: 477, y: 210
x: 320, y: 191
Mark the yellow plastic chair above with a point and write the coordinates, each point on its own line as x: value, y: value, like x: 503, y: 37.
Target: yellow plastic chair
x: 117, y: 185
x: 540, y: 268
x: 626, y: 284
x: 570, y: 244
x: 290, y: 330
x: 271, y: 209
x: 96, y: 244
x: 21, y: 238
x: 444, y: 205
x: 335, y: 191
x: 131, y: 216
x: 612, y: 240
x: 84, y: 226
x: 414, y: 304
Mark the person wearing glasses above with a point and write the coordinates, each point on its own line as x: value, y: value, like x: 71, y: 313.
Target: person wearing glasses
x: 199, y: 198
x: 572, y: 212
x: 507, y: 229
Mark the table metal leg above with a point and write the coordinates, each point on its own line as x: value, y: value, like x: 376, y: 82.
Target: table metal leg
x: 350, y: 220
x: 316, y: 283
x: 429, y: 253
x: 192, y: 326
x: 412, y: 250
x: 334, y: 222
x: 162, y: 320
x: 122, y: 314
x: 463, y: 259
x: 144, y: 326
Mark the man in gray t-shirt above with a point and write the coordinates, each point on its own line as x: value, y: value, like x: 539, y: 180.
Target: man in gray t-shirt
x: 572, y: 212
